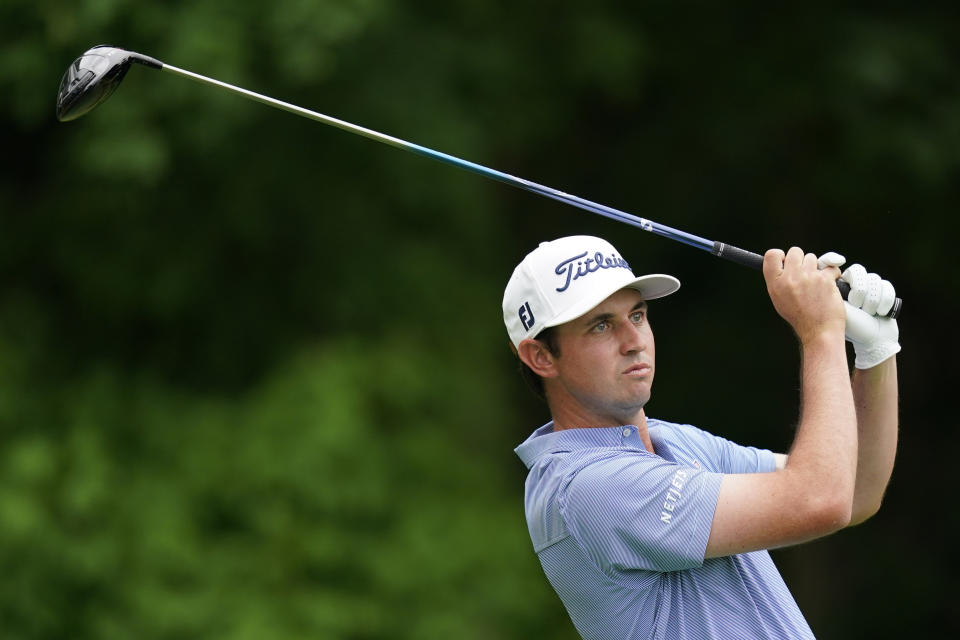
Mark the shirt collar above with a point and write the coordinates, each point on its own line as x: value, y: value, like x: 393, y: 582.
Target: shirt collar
x: 545, y: 440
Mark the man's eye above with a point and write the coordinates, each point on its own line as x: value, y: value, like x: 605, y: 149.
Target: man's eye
x: 637, y: 316
x: 600, y: 327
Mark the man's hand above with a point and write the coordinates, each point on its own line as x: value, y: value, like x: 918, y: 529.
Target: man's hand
x: 875, y: 338
x: 804, y: 295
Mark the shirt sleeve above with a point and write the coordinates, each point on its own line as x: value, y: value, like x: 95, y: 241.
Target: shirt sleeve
x: 634, y: 510
x: 736, y: 458
x: 722, y: 455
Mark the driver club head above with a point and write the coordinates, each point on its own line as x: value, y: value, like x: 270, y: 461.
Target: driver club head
x: 92, y: 77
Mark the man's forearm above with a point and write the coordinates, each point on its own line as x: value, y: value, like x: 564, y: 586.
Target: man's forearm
x: 824, y: 452
x: 875, y: 395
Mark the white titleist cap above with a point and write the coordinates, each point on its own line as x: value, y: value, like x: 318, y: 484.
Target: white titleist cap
x: 561, y: 280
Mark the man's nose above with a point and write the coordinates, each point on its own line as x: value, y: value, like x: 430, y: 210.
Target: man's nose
x: 631, y: 338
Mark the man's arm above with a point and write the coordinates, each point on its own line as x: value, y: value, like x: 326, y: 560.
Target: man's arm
x: 875, y: 341
x: 875, y: 399
x: 812, y: 495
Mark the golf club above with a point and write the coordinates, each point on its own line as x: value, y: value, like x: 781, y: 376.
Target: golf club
x: 95, y: 75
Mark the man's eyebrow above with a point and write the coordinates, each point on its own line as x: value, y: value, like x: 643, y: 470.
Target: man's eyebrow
x: 600, y: 317
x: 603, y: 317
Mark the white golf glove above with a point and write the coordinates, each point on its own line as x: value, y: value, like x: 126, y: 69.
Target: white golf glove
x: 874, y: 337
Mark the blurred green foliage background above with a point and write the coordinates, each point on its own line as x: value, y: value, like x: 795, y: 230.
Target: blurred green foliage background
x: 253, y: 376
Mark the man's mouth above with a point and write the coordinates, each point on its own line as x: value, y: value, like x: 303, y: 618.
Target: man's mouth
x: 638, y: 370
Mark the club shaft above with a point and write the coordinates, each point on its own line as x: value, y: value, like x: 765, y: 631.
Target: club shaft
x: 719, y: 249
x: 527, y: 185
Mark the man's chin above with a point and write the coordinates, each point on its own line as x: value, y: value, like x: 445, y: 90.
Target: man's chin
x: 633, y: 406
x: 639, y: 395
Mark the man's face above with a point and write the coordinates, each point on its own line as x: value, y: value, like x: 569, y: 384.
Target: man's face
x: 606, y: 361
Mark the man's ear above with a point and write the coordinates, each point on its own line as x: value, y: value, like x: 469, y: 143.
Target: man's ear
x: 535, y: 355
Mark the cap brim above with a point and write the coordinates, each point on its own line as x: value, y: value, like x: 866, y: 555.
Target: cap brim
x: 655, y: 285
x: 651, y: 287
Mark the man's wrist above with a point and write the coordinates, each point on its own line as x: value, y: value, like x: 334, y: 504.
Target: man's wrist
x: 823, y: 338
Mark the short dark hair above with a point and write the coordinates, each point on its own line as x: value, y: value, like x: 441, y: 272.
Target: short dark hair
x: 549, y: 339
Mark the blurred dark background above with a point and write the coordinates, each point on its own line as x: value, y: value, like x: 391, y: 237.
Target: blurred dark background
x: 254, y: 381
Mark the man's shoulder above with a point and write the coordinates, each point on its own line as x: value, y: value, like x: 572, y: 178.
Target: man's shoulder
x: 597, y: 465
x: 679, y: 428
x: 605, y: 469
x: 721, y: 454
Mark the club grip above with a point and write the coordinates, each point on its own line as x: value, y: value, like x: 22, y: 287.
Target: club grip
x: 755, y: 260
x: 740, y: 256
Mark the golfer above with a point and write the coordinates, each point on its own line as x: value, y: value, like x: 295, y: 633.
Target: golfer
x: 651, y: 529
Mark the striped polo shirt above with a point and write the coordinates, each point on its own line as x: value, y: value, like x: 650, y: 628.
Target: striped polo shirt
x: 621, y: 534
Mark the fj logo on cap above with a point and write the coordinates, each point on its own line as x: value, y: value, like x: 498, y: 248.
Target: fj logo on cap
x: 569, y: 272
x: 526, y: 316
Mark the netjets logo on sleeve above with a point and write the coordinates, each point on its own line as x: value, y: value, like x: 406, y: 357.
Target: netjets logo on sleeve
x: 579, y: 266
x: 673, y: 495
